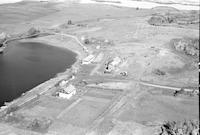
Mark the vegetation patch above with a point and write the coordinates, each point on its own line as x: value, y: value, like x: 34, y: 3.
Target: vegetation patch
x: 158, y: 20
x: 174, y: 18
x: 38, y: 124
x: 188, y: 127
x: 189, y: 46
x: 12, y: 109
x: 159, y: 72
x: 33, y: 31
x: 97, y: 41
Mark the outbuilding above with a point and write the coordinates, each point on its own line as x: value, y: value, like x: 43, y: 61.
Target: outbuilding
x: 67, y: 92
x: 88, y: 59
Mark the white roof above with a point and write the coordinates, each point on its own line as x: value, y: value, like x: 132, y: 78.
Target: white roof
x: 69, y: 89
x: 88, y: 58
x: 116, y: 61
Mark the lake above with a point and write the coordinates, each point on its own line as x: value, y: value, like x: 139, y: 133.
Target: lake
x: 26, y: 65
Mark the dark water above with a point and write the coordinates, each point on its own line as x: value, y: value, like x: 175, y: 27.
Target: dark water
x: 25, y: 65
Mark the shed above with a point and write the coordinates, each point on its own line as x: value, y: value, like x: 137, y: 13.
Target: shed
x: 88, y: 59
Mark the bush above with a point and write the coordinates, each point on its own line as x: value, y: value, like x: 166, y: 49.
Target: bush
x: 69, y: 22
x: 157, y: 20
x: 189, y: 46
x: 159, y: 72
x: 39, y: 124
x: 32, y: 31
x: 86, y: 41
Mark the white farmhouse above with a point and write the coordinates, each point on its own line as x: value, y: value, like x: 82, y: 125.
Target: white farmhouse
x: 67, y: 92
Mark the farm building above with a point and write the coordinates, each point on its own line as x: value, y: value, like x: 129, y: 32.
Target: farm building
x: 88, y: 59
x: 67, y: 92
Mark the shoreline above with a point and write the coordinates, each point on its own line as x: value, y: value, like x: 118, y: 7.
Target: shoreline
x: 45, y: 86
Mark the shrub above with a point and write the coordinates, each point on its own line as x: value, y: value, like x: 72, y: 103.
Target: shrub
x: 32, y: 31
x: 69, y: 22
x: 157, y: 20
x: 159, y: 72
x: 189, y: 46
x: 39, y: 124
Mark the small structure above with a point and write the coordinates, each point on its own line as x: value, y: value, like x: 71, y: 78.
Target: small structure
x: 111, y: 65
x: 98, y: 47
x: 63, y: 83
x: 67, y: 92
x: 85, y: 40
x: 124, y: 73
x: 72, y: 77
x: 116, y: 61
x: 88, y: 59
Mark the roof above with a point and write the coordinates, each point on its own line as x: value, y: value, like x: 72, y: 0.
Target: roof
x: 69, y: 89
x: 116, y: 61
x: 89, y: 58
